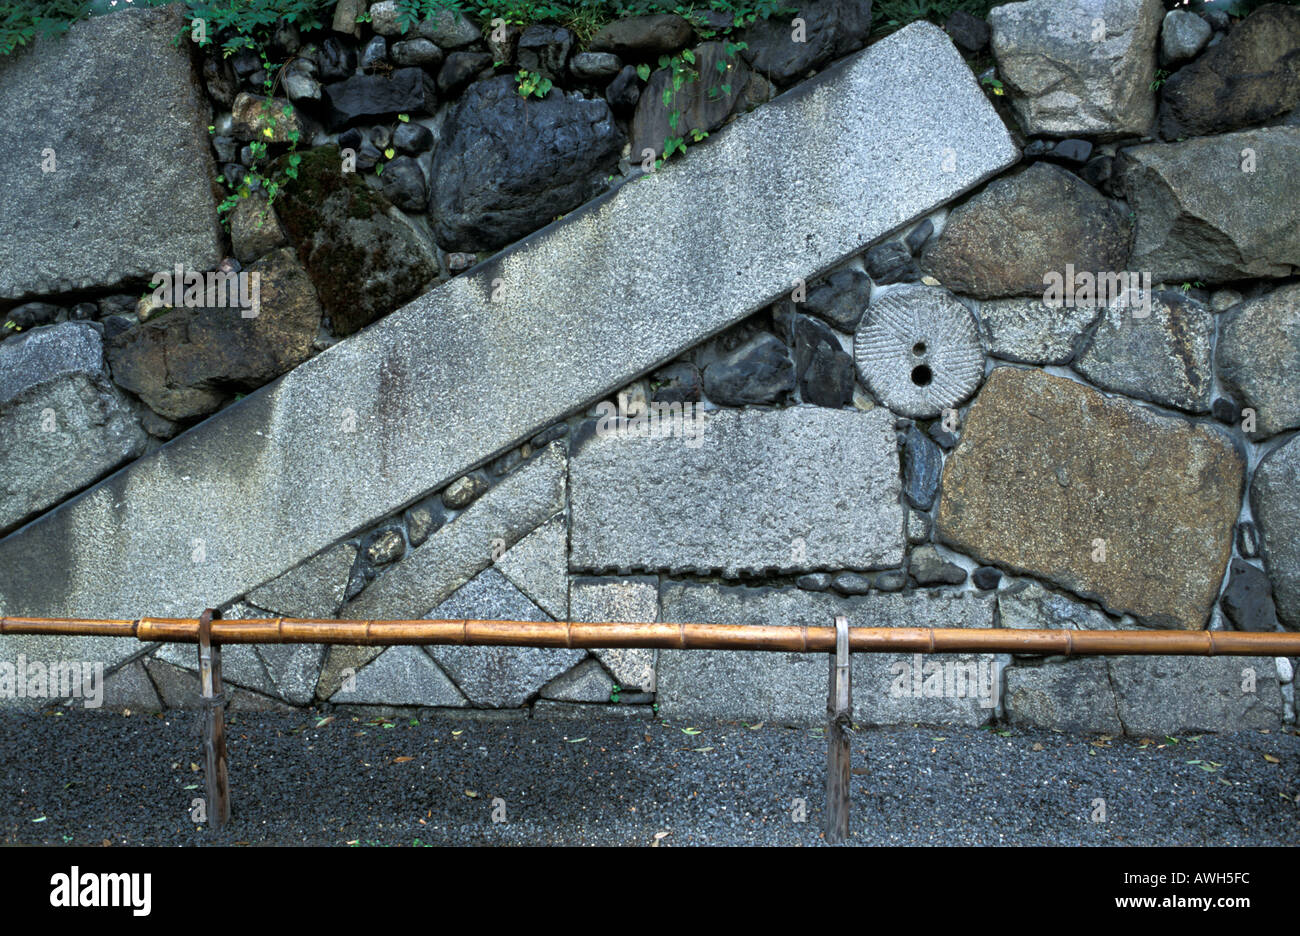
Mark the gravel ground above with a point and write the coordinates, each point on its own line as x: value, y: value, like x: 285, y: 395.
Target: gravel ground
x: 87, y: 778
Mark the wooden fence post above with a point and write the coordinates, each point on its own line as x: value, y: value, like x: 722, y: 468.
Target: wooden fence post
x: 839, y: 711
x: 214, y: 724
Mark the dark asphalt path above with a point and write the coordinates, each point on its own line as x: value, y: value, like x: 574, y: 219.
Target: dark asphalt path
x: 85, y: 778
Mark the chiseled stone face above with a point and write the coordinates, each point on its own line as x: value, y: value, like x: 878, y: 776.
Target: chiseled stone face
x: 1215, y: 209
x: 1098, y: 495
x: 1079, y: 66
x: 792, y: 490
x: 63, y: 423
x: 888, y: 688
x: 103, y: 130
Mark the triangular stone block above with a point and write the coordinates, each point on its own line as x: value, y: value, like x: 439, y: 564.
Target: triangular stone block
x: 498, y: 677
x: 401, y: 675
x: 538, y: 566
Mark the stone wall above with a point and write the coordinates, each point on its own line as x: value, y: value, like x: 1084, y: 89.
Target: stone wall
x: 1019, y: 350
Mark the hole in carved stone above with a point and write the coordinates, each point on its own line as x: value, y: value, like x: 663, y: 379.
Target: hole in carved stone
x: 921, y: 375
x: 919, y: 348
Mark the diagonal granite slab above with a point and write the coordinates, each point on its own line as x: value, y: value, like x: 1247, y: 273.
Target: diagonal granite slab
x: 578, y: 309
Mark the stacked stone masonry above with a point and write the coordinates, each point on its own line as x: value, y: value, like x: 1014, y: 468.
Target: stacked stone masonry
x: 1020, y: 350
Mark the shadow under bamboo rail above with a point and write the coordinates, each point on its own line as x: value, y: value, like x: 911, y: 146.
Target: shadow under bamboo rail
x: 838, y: 642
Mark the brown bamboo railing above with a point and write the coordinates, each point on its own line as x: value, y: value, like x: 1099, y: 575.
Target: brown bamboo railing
x: 839, y: 642
x: 580, y: 635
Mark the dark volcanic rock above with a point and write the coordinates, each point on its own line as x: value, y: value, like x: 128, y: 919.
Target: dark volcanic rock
x: 643, y: 37
x: 459, y: 70
x: 408, y: 91
x: 544, y: 49
x: 922, y: 465
x: 891, y: 262
x: 967, y: 31
x: 374, y: 52
x: 823, y: 369
x: 507, y: 166
x: 412, y: 139
x: 624, y: 91
x: 832, y: 28
x: 1248, y: 599
x: 841, y: 299
x: 188, y: 361
x: 592, y: 66
x: 338, y: 59
x: 419, y: 52
x: 678, y: 383
x: 403, y: 184
x: 1251, y: 76
x: 759, y: 371
x: 702, y: 104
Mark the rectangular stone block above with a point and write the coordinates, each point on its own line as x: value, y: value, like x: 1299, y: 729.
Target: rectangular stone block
x: 556, y: 321
x: 790, y: 688
x: 114, y: 182
x: 1160, y: 695
x: 63, y: 423
x: 1068, y: 695
x: 791, y: 490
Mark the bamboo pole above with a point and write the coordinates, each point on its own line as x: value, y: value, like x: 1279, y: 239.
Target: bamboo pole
x: 579, y: 635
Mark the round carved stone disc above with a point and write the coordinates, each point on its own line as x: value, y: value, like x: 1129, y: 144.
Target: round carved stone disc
x: 918, y: 351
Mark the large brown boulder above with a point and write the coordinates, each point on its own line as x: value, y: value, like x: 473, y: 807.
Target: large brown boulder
x: 1004, y: 240
x: 189, y: 361
x: 1099, y: 495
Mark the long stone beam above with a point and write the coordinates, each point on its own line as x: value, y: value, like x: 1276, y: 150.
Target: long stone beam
x: 578, y: 309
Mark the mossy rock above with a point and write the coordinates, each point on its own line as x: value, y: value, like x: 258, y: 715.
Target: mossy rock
x: 363, y: 258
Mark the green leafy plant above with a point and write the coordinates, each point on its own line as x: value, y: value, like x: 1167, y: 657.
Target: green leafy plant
x: 21, y: 21
x: 246, y: 22
x: 530, y: 83
x: 1161, y: 77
